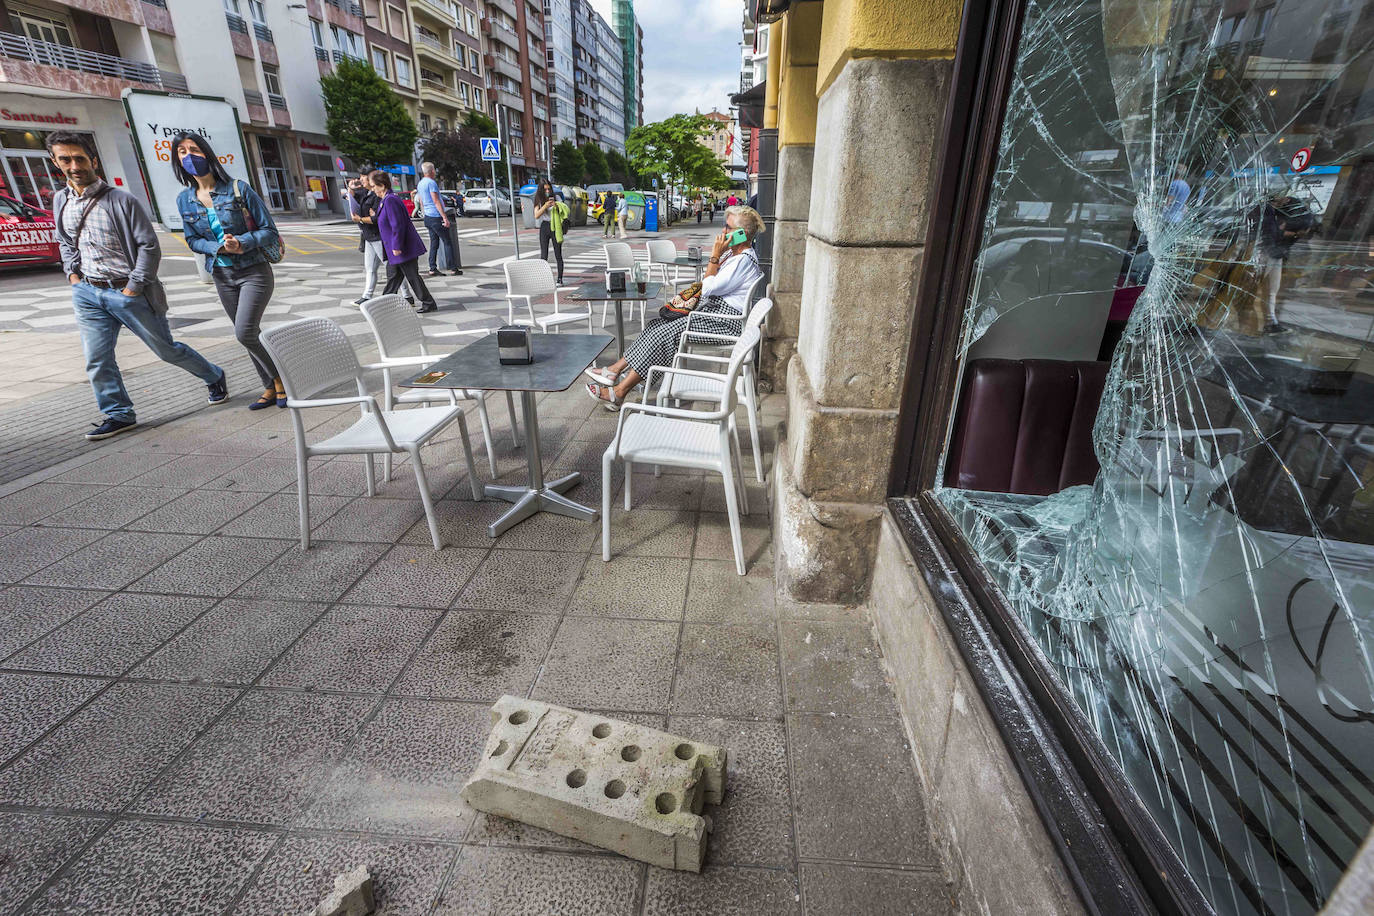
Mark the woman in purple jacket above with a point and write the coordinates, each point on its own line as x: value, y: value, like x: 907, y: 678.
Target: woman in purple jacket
x: 401, y: 243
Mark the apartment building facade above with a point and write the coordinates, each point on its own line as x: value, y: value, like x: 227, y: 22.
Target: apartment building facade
x: 631, y: 35
x: 518, y: 83
x: 63, y: 67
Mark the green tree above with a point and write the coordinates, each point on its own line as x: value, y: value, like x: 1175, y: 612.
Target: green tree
x: 597, y: 170
x: 672, y: 151
x: 455, y: 153
x: 568, y: 164
x: 365, y: 120
x: 620, y: 168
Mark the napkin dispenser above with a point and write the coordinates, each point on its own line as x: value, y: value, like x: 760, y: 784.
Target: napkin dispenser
x: 615, y: 281
x: 694, y: 252
x: 514, y: 344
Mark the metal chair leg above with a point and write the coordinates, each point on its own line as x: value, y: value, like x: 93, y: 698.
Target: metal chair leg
x: 422, y: 483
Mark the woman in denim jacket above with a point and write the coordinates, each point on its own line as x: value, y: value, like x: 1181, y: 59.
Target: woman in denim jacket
x: 212, y: 218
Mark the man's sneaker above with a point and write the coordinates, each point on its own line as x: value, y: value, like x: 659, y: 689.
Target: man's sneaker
x: 458, y: 272
x: 110, y: 428
x: 360, y: 300
x: 218, y: 391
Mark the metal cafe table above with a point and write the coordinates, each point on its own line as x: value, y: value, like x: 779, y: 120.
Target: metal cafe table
x: 597, y: 292
x: 558, y: 362
x: 698, y: 263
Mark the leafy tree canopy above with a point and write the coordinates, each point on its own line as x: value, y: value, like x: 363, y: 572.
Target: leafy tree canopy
x: 597, y: 170
x: 484, y: 126
x: 620, y: 169
x: 365, y: 120
x: 455, y: 154
x: 568, y: 164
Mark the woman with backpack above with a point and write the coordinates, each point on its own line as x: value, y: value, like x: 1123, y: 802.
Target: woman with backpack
x: 226, y: 221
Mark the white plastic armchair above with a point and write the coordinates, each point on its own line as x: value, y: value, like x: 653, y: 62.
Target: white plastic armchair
x: 532, y: 279
x: 402, y: 344
x: 662, y: 255
x: 312, y: 356
x: 619, y: 256
x: 680, y: 388
x: 703, y: 439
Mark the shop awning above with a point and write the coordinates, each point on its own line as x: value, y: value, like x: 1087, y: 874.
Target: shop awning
x: 750, y: 104
x: 771, y: 10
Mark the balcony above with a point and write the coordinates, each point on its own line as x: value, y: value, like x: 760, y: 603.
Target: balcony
x: 262, y: 32
x: 322, y: 55
x: 509, y: 99
x: 340, y: 55
x: 501, y: 32
x: 435, y: 47
x: 34, y: 56
x: 506, y: 6
x: 442, y: 9
x: 504, y: 65
x: 236, y: 22
x: 276, y: 101
x: 346, y: 6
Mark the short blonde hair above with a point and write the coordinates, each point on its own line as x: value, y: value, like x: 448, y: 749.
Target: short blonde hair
x: 748, y: 219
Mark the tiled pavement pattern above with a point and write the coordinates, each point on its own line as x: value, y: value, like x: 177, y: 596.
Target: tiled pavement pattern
x: 46, y: 404
x: 198, y: 718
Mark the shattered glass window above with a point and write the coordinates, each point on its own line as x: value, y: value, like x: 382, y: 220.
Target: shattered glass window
x: 1163, y: 447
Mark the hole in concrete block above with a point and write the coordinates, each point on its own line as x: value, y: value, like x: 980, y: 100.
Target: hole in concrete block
x: 519, y: 717
x: 615, y: 788
x: 630, y: 752
x: 666, y: 803
x: 601, y: 730
x: 577, y: 779
x: 684, y: 751
x: 501, y: 748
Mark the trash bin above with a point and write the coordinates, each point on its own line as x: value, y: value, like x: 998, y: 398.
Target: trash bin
x: 650, y: 213
x: 527, y: 206
x: 442, y: 257
x: 634, y: 210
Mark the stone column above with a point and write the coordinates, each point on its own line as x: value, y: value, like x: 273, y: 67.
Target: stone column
x: 798, y: 51
x: 882, y: 75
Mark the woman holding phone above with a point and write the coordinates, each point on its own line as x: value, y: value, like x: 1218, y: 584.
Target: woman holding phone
x: 725, y: 286
x: 550, y: 213
x: 227, y: 223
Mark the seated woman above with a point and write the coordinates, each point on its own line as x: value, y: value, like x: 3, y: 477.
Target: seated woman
x: 725, y: 289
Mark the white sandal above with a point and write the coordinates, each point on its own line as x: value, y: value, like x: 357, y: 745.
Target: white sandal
x: 612, y: 402
x: 601, y: 376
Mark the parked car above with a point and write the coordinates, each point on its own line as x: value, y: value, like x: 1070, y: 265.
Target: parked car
x: 26, y: 235
x: 479, y: 202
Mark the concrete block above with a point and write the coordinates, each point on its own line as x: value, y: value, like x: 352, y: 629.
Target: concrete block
x: 878, y: 133
x: 838, y: 454
x: 823, y: 551
x: 351, y: 896
x: 789, y: 256
x: 627, y: 788
x: 855, y: 322
x: 794, y: 181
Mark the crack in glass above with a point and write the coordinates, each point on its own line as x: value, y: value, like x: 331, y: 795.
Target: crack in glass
x: 1207, y: 597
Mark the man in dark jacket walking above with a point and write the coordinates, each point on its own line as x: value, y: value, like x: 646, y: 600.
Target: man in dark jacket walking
x: 110, y: 254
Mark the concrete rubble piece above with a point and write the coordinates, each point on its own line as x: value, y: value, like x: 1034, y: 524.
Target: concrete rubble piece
x: 351, y: 896
x: 627, y: 788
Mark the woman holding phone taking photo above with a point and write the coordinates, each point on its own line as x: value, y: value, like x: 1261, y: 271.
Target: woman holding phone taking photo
x: 226, y: 222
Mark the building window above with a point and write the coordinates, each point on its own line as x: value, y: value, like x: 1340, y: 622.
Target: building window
x: 379, y: 61
x: 41, y: 27
x: 424, y: 123
x: 396, y: 22
x: 317, y: 33
x: 255, y: 9
x: 441, y: 125
x: 232, y: 6
x: 474, y: 61
x: 403, y: 76
x: 349, y: 43
x: 271, y: 79
x: 472, y: 22
x: 463, y: 92
x: 1158, y: 449
x: 477, y: 99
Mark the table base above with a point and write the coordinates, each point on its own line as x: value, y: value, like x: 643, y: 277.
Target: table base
x: 529, y: 501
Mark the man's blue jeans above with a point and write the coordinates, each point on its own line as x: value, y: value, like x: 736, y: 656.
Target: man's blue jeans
x: 439, y: 237
x: 100, y: 313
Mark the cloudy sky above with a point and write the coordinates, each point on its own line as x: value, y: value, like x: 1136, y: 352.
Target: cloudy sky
x: 691, y: 53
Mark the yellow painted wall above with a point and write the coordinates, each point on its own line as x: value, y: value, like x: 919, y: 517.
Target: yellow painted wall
x: 894, y: 29
x: 799, y: 54
x: 770, y: 91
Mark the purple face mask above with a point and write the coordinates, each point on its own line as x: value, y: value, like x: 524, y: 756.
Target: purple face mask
x: 195, y: 165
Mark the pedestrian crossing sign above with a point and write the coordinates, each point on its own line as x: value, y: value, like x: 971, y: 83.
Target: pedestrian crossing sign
x: 491, y: 149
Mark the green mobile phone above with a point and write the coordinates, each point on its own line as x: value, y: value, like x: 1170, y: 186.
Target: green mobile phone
x: 736, y: 238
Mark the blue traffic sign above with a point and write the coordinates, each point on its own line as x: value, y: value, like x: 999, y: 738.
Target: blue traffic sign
x: 491, y: 149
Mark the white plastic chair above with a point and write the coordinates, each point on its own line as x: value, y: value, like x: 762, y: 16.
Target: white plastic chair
x: 313, y: 355
x: 402, y: 344
x: 684, y: 388
x: 619, y: 256
x: 530, y: 279
x: 704, y: 439
x: 662, y: 255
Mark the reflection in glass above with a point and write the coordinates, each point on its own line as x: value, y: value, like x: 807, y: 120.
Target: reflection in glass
x: 1164, y: 443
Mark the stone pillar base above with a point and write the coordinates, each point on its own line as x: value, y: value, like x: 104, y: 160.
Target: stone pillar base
x: 823, y: 550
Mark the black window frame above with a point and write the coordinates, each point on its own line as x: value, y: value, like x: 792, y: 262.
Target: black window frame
x: 1115, y: 854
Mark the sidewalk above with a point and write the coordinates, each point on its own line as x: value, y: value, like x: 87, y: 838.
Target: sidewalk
x: 198, y: 717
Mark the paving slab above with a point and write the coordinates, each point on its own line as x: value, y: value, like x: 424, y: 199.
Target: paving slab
x: 834, y: 667
x: 627, y: 788
x: 839, y: 890
x: 725, y: 670
x: 723, y: 890
x: 650, y: 588
x: 519, y: 882
x: 30, y: 704
x: 34, y: 846
x: 233, y: 643
x: 598, y: 663
x: 480, y: 655
x: 417, y: 576
x: 112, y: 636
x: 27, y: 612
x: 523, y: 580
x: 354, y: 647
